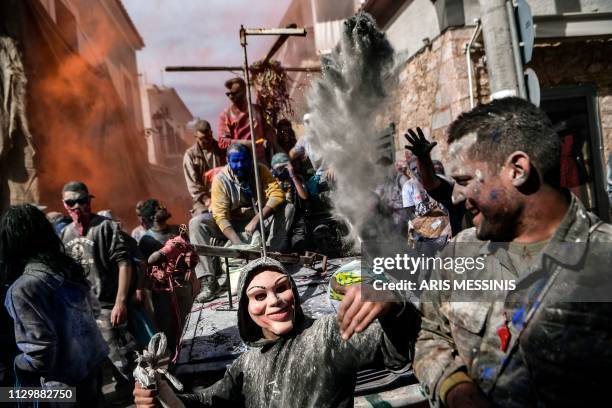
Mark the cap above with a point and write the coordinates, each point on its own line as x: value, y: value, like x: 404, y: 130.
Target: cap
x: 77, y: 187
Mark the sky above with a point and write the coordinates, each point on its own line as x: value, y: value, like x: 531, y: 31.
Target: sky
x: 200, y: 32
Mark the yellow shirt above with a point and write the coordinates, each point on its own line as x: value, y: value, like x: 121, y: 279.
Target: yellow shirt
x: 228, y: 201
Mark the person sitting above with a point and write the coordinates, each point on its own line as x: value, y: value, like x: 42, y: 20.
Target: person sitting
x: 155, y: 237
x: 296, y: 193
x: 285, y: 135
x: 50, y: 303
x: 234, y: 214
x: 234, y: 124
x: 204, y: 156
x: 293, y: 360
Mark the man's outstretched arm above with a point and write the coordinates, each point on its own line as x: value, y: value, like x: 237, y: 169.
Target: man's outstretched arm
x: 421, y: 148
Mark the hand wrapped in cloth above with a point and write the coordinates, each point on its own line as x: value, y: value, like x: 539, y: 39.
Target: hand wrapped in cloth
x: 151, y: 367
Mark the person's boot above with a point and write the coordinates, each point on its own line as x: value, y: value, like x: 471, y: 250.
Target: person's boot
x: 209, y: 287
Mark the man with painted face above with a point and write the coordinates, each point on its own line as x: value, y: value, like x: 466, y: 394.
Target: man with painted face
x: 234, y: 212
x: 293, y: 360
x: 98, y: 244
x: 545, y: 342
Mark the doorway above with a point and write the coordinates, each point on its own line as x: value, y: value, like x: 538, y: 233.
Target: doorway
x: 573, y: 112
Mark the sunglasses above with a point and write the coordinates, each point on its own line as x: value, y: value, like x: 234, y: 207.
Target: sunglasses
x: 72, y: 203
x: 228, y: 94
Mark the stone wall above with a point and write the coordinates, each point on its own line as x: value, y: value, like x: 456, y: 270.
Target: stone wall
x: 432, y: 89
x: 433, y: 84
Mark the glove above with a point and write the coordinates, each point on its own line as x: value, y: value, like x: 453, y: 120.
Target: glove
x: 419, y: 146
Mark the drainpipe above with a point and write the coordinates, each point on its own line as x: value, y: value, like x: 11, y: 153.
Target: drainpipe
x: 468, y: 60
x: 516, y: 52
x: 496, y: 31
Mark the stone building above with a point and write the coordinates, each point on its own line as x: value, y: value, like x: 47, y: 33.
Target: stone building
x: 572, y: 58
x: 82, y: 117
x: 166, y: 119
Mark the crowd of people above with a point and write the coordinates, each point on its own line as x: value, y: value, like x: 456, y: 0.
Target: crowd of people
x: 82, y: 295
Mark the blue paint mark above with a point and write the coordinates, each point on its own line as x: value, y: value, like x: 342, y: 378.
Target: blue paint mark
x: 519, y: 317
x: 487, y: 373
x: 495, y: 135
x: 493, y: 195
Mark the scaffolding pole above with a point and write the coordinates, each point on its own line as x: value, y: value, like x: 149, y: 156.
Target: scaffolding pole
x: 244, y: 32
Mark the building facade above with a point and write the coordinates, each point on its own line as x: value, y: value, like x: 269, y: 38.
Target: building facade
x: 166, y: 120
x: 83, y: 118
x: 438, y: 80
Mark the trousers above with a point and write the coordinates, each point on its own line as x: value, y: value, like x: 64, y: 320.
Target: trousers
x: 203, y: 230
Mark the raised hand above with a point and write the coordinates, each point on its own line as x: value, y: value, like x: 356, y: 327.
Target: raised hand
x: 419, y: 146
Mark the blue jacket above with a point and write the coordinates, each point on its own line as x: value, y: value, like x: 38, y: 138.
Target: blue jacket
x: 55, y: 328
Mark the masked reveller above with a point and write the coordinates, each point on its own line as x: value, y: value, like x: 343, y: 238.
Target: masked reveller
x: 234, y: 214
x: 296, y: 361
x: 98, y: 244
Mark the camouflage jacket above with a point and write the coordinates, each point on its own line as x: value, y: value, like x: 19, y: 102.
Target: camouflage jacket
x: 559, y: 320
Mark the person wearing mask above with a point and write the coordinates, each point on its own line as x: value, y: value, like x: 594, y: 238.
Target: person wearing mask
x: 50, y: 303
x: 293, y: 360
x: 98, y: 245
x: 234, y: 214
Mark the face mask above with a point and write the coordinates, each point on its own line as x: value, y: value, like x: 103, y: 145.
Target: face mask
x: 240, y: 163
x: 80, y: 215
x: 271, y: 304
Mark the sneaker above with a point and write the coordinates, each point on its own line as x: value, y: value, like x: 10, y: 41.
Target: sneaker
x: 209, y: 289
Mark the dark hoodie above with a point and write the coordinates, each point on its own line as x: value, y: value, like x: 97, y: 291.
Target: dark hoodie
x: 309, y: 367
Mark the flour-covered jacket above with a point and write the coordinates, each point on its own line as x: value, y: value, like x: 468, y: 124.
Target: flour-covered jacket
x: 311, y: 366
x: 562, y: 357
x: 55, y: 329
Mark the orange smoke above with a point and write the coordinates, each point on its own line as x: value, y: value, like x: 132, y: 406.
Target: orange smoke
x: 82, y: 129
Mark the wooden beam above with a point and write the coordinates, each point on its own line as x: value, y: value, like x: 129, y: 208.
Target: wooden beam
x: 279, y: 43
x: 193, y: 68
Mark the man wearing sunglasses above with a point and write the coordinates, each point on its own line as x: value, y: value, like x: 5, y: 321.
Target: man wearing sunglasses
x: 97, y: 243
x: 234, y: 122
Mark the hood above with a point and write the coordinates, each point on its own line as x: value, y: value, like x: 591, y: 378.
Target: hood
x: 250, y: 333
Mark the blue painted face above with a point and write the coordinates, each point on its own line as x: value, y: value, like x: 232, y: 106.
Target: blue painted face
x: 240, y: 163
